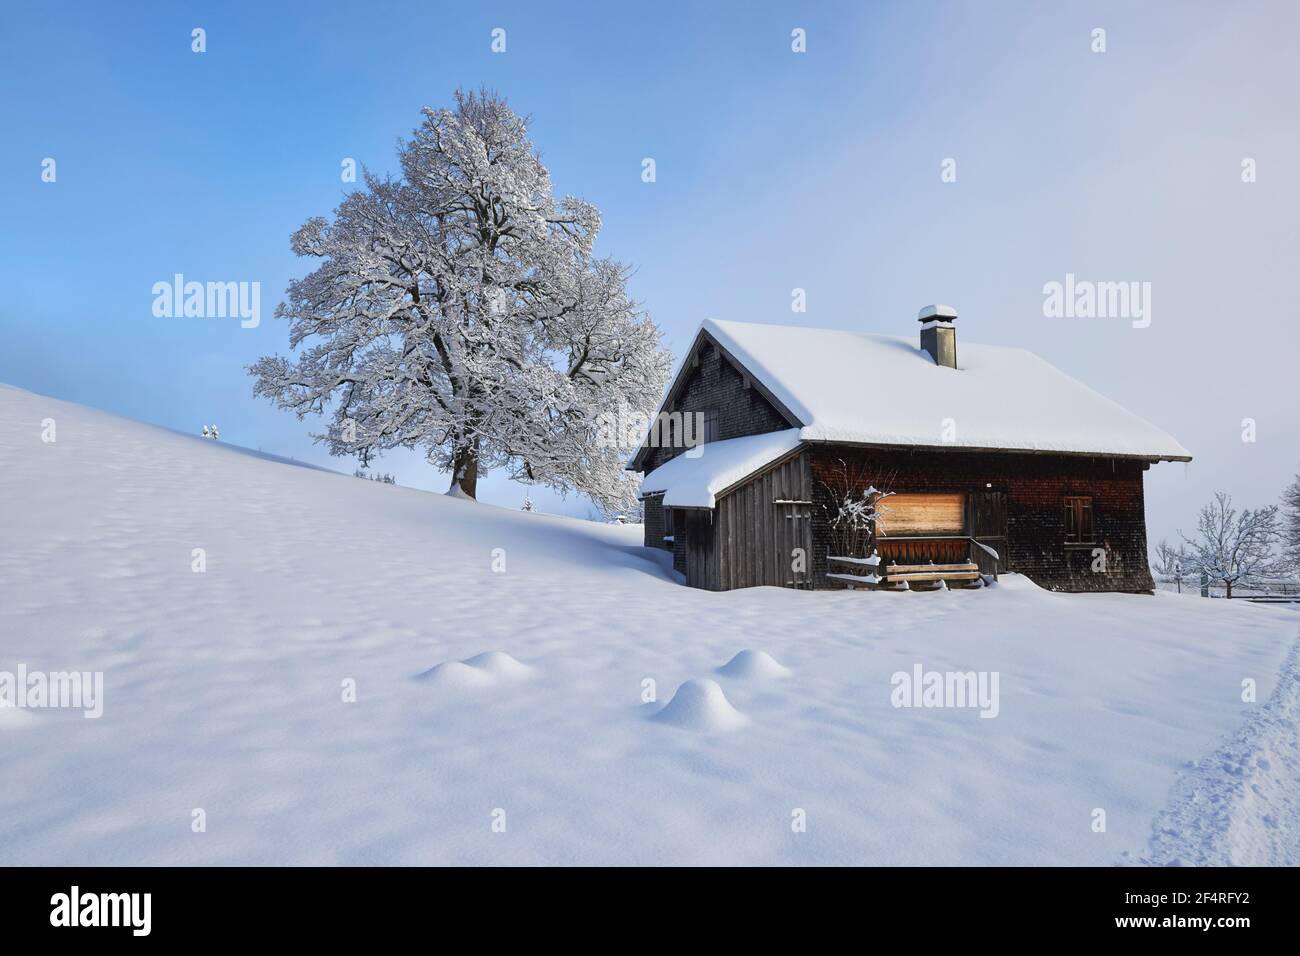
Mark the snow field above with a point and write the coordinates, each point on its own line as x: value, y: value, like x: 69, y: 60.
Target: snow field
x: 224, y: 689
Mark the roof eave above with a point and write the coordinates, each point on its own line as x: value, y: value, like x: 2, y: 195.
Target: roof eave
x: 903, y: 446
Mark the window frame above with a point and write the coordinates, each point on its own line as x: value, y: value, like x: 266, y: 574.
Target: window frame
x: 1080, y: 516
x: 711, y: 425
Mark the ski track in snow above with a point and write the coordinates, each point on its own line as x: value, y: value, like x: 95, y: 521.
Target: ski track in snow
x: 1240, y: 806
x: 222, y: 690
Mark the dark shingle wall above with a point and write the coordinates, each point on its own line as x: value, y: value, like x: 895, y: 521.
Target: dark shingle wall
x: 716, y: 384
x: 1036, y: 486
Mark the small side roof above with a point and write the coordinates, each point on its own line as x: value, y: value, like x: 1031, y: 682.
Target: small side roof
x: 695, y: 482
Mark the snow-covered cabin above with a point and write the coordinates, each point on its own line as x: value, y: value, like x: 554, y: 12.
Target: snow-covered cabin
x: 768, y: 434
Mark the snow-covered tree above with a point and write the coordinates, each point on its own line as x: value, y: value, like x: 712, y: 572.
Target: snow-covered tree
x: 528, y: 503
x: 1231, y: 547
x: 1291, y: 529
x: 1173, y: 564
x: 460, y: 309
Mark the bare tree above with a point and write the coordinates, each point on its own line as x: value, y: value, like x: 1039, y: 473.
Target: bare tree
x: 1231, y: 547
x: 1172, y: 563
x: 854, y: 507
x: 1291, y: 531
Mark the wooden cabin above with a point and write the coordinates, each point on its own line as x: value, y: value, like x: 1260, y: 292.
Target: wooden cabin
x: 978, y: 461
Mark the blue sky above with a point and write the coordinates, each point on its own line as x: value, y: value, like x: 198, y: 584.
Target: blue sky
x: 775, y: 170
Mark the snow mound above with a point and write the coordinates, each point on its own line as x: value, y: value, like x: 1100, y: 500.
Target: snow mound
x: 457, y: 675
x: 481, y: 670
x: 758, y: 664
x: 500, y: 665
x: 701, y: 705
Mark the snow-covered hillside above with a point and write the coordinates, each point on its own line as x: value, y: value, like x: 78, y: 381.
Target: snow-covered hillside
x: 500, y: 661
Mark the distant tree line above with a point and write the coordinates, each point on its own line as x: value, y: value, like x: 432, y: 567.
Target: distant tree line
x: 384, y: 478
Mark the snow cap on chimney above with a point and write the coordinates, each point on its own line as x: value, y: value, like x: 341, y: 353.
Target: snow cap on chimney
x: 937, y: 313
x: 939, y: 334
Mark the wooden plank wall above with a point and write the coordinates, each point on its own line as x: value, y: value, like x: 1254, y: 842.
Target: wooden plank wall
x: 756, y: 536
x: 924, y: 513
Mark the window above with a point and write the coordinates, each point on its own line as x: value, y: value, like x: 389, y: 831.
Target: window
x: 1078, y: 521
x: 711, y: 425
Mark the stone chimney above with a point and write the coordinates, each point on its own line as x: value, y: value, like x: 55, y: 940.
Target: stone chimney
x: 939, y: 333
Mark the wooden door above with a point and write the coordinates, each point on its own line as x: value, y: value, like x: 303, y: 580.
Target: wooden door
x: 794, y: 543
x: 987, y: 521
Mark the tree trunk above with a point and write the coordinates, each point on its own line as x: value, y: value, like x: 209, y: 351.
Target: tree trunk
x: 1229, y: 586
x: 464, y: 472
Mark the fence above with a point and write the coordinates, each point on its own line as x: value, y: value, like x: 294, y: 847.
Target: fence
x: 1259, y: 590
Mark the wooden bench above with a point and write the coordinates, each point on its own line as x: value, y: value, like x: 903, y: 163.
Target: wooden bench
x: 965, y: 572
x: 866, y: 573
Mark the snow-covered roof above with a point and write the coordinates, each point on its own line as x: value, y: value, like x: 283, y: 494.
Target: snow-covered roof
x: 881, y: 390
x: 694, y: 482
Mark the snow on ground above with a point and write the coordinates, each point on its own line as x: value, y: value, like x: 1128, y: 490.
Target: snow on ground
x: 1240, y: 806
x: 522, y: 691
